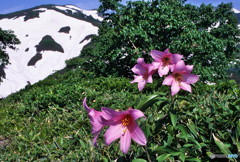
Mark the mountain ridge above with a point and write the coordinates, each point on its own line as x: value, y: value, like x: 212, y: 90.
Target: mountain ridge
x: 44, y: 47
x: 79, y: 14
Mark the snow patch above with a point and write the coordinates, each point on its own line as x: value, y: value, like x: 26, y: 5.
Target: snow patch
x: 18, y: 74
x: 235, y: 10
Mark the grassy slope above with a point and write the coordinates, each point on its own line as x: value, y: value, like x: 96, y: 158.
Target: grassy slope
x: 46, y: 121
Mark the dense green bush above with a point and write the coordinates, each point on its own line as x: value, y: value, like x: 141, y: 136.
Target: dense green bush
x: 131, y: 31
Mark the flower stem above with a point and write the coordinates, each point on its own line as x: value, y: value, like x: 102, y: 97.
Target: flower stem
x: 148, y: 157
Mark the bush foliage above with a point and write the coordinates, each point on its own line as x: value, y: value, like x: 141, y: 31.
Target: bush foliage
x: 207, y: 37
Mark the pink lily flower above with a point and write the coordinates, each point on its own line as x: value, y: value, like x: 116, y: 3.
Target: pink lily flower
x: 181, y: 78
x: 144, y: 71
x: 123, y: 125
x: 94, y: 116
x: 164, y: 61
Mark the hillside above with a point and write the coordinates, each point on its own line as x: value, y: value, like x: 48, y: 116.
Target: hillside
x: 60, y: 118
x: 44, y: 47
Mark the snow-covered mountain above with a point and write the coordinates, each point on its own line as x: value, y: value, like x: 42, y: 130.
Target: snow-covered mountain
x: 49, y: 36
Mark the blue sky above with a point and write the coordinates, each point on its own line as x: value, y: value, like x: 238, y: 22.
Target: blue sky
x: 8, y: 6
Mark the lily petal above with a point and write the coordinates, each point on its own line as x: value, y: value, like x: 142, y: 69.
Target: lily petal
x: 186, y: 87
x: 180, y: 66
x: 190, y: 78
x: 163, y: 70
x: 139, y: 69
x: 156, y: 55
x: 176, y: 58
x: 137, y: 134
x: 189, y: 68
x: 135, y: 114
x: 141, y: 85
x: 85, y: 105
x: 137, y: 79
x: 168, y: 80
x: 94, y: 116
x: 166, y: 51
x: 175, y: 88
x: 113, y: 132
x: 155, y: 65
x: 125, y: 142
x: 149, y: 79
x: 140, y: 61
x: 95, y: 138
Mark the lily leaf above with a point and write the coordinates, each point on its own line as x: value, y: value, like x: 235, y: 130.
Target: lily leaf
x: 221, y: 145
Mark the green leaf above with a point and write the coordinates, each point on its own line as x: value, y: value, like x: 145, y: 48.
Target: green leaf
x: 139, y: 160
x: 164, y: 149
x: 163, y: 157
x: 150, y: 101
x: 221, y: 146
x: 192, y: 127
x: 238, y: 129
x: 173, y: 119
x: 184, y: 133
x: 182, y: 157
x: 104, y: 159
x: 193, y: 159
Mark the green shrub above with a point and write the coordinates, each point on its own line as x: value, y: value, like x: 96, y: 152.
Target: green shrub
x: 132, y: 31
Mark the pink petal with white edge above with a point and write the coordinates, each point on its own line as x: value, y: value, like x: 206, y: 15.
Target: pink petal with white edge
x: 156, y: 55
x: 137, y: 134
x: 189, y: 68
x: 180, y: 66
x: 190, y: 78
x: 113, y: 133
x: 135, y: 113
x: 175, y: 88
x: 125, y: 142
x: 176, y: 58
x: 141, y: 85
x: 85, y: 105
x: 172, y: 67
x: 168, y: 80
x: 186, y: 87
x: 137, y: 79
x: 155, y: 65
x: 163, y: 70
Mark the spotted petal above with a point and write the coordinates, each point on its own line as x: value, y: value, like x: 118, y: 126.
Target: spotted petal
x: 125, y: 142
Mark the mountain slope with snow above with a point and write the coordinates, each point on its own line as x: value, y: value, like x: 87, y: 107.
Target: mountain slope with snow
x: 38, y: 29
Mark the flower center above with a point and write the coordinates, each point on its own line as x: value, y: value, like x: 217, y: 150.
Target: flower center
x: 127, y: 120
x: 165, y: 61
x: 177, y: 77
x: 145, y: 76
